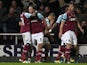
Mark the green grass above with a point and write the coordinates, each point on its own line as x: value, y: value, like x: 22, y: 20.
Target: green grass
x: 13, y: 63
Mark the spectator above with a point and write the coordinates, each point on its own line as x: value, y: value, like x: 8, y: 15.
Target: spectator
x: 77, y: 2
x: 68, y: 1
x: 61, y: 3
x: 10, y: 26
x: 79, y: 14
x: 2, y: 13
x: 83, y: 1
x: 54, y: 6
x: 26, y: 3
x: 82, y: 38
x: 11, y: 21
x: 7, y: 3
x: 41, y: 9
x: 84, y: 10
x: 44, y: 2
x: 17, y: 8
x: 47, y: 11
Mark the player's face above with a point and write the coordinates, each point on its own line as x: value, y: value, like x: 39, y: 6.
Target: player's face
x: 52, y: 17
x: 71, y: 7
x: 31, y: 10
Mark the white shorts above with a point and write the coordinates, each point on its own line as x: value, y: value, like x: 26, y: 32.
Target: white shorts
x: 26, y: 37
x: 38, y: 37
x: 69, y: 37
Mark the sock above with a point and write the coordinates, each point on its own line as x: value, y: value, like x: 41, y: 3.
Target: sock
x: 38, y: 55
x: 67, y: 54
x: 24, y: 52
x: 29, y: 51
x: 46, y: 52
x: 60, y: 52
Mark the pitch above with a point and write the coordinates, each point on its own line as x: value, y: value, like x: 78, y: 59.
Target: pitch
x: 15, y: 63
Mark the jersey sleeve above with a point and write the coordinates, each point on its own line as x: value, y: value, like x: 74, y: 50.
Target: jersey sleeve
x: 27, y: 15
x: 59, y: 19
x: 40, y: 16
x: 64, y: 18
x: 47, y: 22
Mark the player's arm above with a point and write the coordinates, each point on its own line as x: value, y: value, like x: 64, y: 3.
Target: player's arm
x: 61, y: 29
x: 64, y: 18
x: 21, y: 21
x: 79, y: 26
x: 41, y: 17
x: 52, y: 25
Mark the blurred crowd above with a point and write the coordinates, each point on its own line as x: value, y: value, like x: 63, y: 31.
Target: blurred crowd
x: 10, y: 11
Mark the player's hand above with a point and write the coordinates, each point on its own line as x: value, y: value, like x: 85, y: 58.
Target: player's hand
x: 50, y: 30
x: 60, y: 35
x: 21, y: 24
x: 82, y: 31
x: 46, y: 32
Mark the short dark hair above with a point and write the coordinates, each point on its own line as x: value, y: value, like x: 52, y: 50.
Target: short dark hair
x: 31, y: 6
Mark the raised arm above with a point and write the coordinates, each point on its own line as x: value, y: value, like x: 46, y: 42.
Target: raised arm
x: 79, y: 26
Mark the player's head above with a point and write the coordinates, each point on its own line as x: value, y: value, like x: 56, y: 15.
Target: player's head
x: 31, y: 9
x: 52, y: 16
x: 70, y: 7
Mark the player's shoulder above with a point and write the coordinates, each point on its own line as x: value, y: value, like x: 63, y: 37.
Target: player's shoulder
x: 61, y: 15
x: 65, y: 14
x: 22, y: 14
x: 38, y: 13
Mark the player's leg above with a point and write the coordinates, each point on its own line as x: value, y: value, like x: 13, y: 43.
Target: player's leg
x: 39, y: 46
x: 68, y: 43
x: 74, y: 40
x: 74, y: 48
x: 61, y: 50
x: 26, y: 46
x: 60, y: 54
x: 47, y: 47
x: 67, y: 52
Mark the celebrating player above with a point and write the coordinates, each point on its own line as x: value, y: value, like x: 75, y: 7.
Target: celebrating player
x: 25, y: 30
x: 36, y: 30
x: 48, y: 38
x: 67, y: 30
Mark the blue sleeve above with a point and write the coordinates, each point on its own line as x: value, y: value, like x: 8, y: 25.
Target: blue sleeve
x: 47, y: 22
x: 64, y: 18
x: 59, y: 19
x: 40, y: 16
x: 27, y: 15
